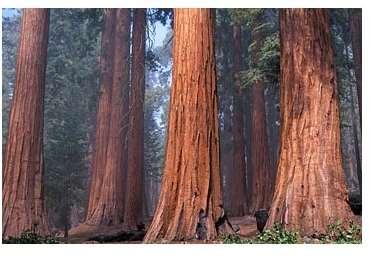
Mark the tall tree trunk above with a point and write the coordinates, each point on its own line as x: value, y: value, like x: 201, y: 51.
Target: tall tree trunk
x: 310, y: 189
x: 356, y: 124
x: 356, y: 33
x: 223, y: 33
x: 238, y: 202
x: 347, y: 134
x: 191, y: 185
x: 272, y: 122
x: 135, y: 166
x: 226, y: 149
x: 126, y: 100
x: 23, y: 196
x: 260, y: 188
x: 107, y: 182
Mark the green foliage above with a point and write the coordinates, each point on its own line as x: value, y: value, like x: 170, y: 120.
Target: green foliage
x: 336, y: 233
x: 246, y: 16
x: 251, y: 76
x: 30, y: 237
x: 233, y: 239
x: 266, y: 67
x: 70, y: 106
x: 269, y: 57
x: 277, y: 235
x: 340, y: 234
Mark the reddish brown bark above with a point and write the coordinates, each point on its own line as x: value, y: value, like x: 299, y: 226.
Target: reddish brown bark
x: 107, y: 181
x: 135, y: 166
x: 238, y: 201
x: 356, y: 33
x: 310, y: 188
x: 23, y: 197
x: 260, y: 186
x: 191, y: 179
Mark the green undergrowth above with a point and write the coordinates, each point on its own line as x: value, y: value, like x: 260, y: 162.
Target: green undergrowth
x: 30, y: 237
x: 336, y: 233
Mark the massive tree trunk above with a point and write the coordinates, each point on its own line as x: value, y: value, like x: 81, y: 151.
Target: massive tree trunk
x: 135, y: 166
x: 260, y: 188
x: 238, y: 202
x: 23, y: 197
x: 310, y: 189
x: 107, y: 182
x: 191, y: 189
x: 356, y: 33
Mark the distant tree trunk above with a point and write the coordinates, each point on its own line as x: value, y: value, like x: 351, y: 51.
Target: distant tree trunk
x: 260, y: 188
x: 191, y: 184
x: 272, y: 122
x: 126, y: 102
x: 23, y: 196
x: 310, y: 190
x: 135, y: 166
x: 107, y: 182
x: 356, y: 32
x: 226, y: 150
x: 356, y: 124
x: 238, y: 200
x: 223, y: 33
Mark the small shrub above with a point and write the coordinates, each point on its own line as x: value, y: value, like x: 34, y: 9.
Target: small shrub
x: 277, y: 235
x: 30, y: 237
x: 232, y: 239
x: 337, y: 233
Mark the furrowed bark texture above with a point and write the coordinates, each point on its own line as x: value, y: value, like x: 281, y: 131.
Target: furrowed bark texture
x: 238, y: 202
x: 107, y: 183
x: 260, y: 186
x: 135, y: 166
x: 23, y: 197
x: 191, y: 179
x: 310, y: 188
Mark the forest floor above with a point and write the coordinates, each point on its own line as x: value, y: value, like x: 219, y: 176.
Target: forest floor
x: 86, y: 234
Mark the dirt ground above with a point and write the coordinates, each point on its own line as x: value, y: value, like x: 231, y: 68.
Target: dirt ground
x: 246, y: 226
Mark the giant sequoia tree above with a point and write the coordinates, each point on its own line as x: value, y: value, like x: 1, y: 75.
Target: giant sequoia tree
x: 106, y: 199
x: 23, y: 198
x: 238, y: 202
x: 310, y: 189
x: 191, y: 185
x: 135, y: 167
x: 259, y: 184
